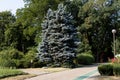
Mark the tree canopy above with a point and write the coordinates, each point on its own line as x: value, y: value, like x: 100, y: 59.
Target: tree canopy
x: 95, y: 20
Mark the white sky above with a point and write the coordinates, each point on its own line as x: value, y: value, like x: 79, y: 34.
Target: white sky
x: 11, y: 5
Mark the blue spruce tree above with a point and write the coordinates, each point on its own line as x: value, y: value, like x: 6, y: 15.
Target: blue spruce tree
x: 59, y: 38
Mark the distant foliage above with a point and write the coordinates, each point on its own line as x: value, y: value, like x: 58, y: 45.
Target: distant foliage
x: 59, y: 38
x: 117, y: 45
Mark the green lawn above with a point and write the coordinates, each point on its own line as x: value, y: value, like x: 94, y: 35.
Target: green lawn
x: 5, y: 72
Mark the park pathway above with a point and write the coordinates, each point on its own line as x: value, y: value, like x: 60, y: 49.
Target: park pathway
x: 83, y: 73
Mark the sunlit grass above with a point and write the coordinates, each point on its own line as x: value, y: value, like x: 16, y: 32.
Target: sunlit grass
x: 6, y: 72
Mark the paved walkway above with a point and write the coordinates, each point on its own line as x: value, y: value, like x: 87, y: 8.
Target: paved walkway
x: 83, y: 73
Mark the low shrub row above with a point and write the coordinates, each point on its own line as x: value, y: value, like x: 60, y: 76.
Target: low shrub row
x: 11, y: 57
x: 15, y: 59
x: 109, y: 69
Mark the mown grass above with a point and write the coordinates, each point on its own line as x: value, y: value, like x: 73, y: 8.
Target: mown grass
x: 6, y: 72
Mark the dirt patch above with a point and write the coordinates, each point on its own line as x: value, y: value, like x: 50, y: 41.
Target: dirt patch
x: 41, y: 71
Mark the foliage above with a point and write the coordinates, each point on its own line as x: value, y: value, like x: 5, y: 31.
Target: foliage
x: 6, y: 20
x: 97, y: 21
x: 84, y: 47
x: 32, y: 16
x: 5, y: 72
x: 59, y: 37
x: 116, y: 69
x: 68, y: 65
x: 85, y: 58
x: 117, y: 46
x: 11, y: 58
x: 95, y: 18
x: 30, y: 59
x: 105, y: 69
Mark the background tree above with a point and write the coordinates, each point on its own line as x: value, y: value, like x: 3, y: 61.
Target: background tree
x: 98, y: 20
x: 6, y: 20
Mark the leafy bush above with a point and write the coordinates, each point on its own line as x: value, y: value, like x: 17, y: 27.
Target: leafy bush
x: 30, y: 59
x: 10, y: 58
x: 16, y: 59
x: 7, y: 63
x: 105, y: 69
x: 68, y: 65
x: 116, y: 69
x: 85, y: 58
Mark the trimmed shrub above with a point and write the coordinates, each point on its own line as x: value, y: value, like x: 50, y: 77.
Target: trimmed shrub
x: 85, y: 58
x: 106, y: 69
x: 116, y: 69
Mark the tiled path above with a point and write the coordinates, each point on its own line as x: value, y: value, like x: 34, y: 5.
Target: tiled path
x: 83, y: 73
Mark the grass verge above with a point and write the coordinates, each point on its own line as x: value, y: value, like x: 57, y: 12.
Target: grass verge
x: 6, y: 72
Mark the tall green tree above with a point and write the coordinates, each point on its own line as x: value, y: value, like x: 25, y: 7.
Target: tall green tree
x: 30, y: 19
x: 6, y: 20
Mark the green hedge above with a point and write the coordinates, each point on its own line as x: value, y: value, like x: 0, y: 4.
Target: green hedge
x: 85, y: 59
x: 116, y: 69
x: 109, y: 69
x: 105, y: 69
